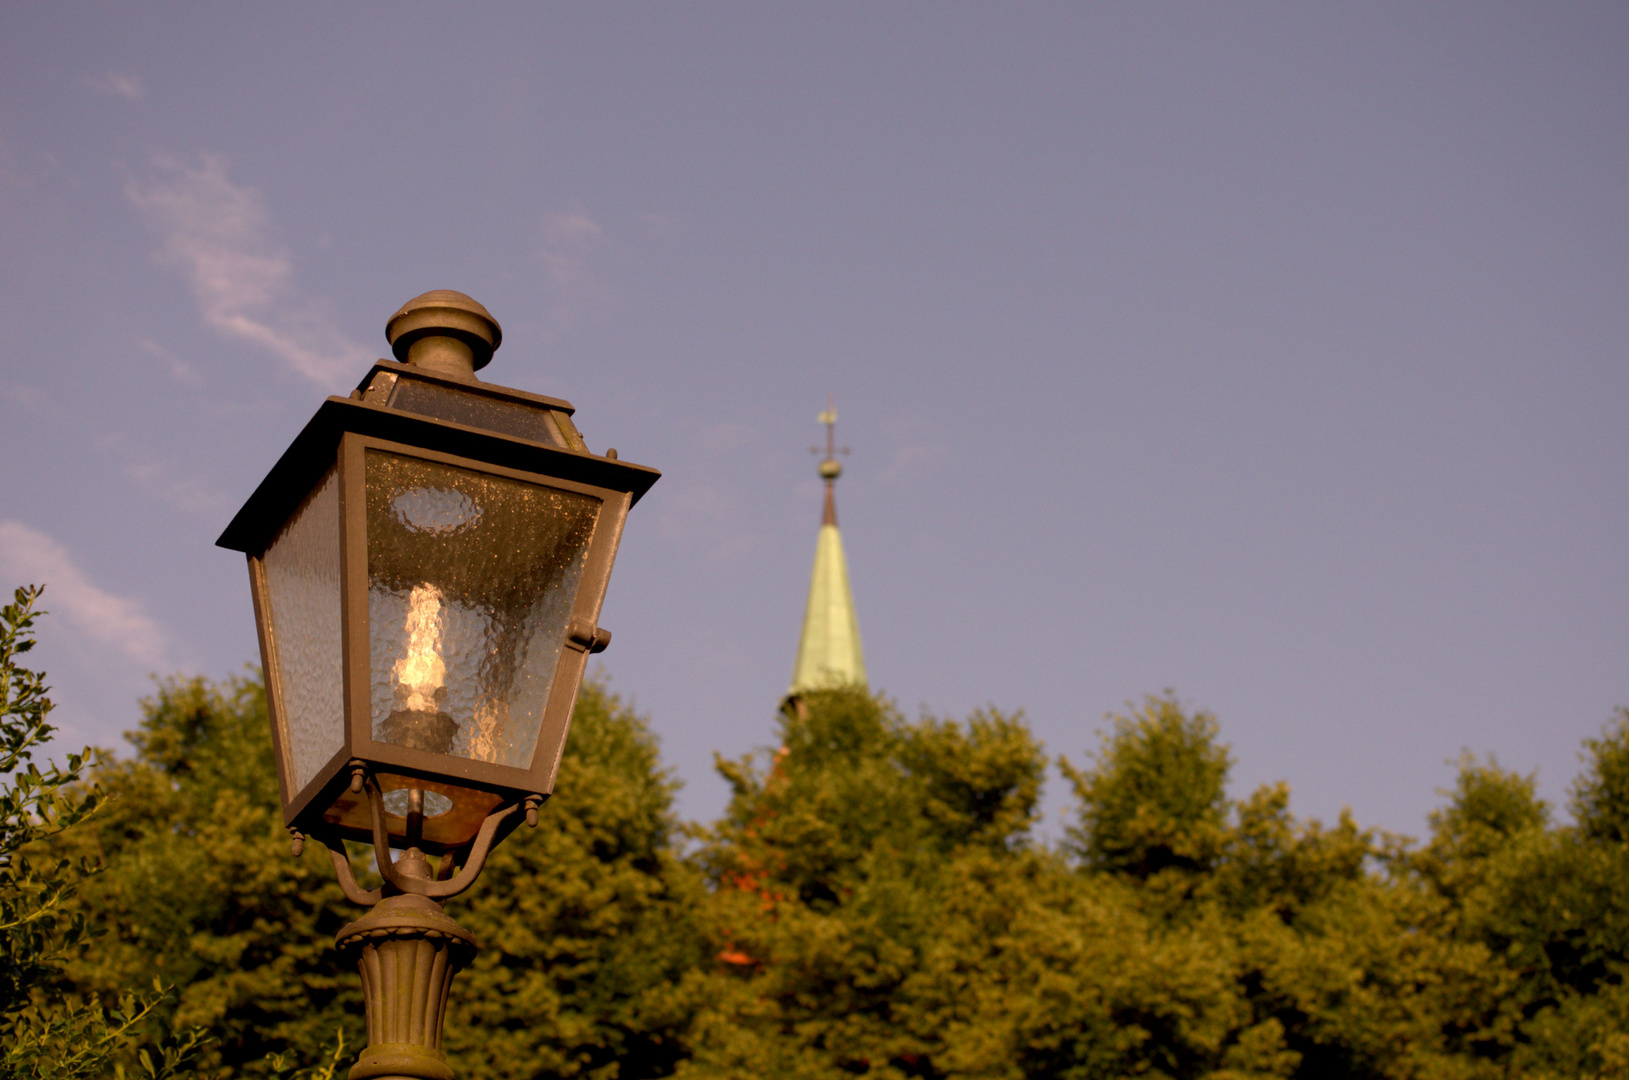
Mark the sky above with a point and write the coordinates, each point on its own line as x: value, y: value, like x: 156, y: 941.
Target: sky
x: 1272, y: 355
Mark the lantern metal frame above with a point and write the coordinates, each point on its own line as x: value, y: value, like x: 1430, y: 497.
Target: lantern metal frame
x: 432, y: 410
x: 338, y: 437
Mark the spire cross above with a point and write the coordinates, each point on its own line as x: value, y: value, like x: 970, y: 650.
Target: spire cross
x: 829, y: 418
x: 830, y: 470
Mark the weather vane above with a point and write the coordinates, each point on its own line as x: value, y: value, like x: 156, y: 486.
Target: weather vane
x: 830, y: 468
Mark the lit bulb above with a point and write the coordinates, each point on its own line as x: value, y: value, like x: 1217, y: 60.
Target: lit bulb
x: 420, y: 679
x: 421, y: 675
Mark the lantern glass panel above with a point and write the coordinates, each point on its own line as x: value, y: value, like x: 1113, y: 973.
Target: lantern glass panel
x: 484, y: 411
x: 303, y: 592
x: 472, y: 579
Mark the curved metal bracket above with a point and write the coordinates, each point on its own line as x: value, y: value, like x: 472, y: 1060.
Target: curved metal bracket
x: 433, y: 888
x: 355, y: 893
x: 459, y: 867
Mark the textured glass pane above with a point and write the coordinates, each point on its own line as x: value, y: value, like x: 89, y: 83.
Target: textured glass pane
x: 302, y: 587
x: 471, y: 581
x: 445, y: 402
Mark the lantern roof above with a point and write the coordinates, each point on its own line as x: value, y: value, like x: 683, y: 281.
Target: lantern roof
x: 461, y: 416
x: 829, y: 653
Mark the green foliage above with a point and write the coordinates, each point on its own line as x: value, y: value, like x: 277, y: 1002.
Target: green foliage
x: 35, y: 931
x: 46, y: 1036
x: 1600, y: 797
x: 69, y: 1040
x: 872, y: 903
x: 582, y: 922
x: 1487, y: 808
x: 199, y: 886
x: 835, y: 871
x: 1551, y: 905
x: 868, y: 920
x: 283, y: 1066
x: 586, y: 923
x: 1157, y: 796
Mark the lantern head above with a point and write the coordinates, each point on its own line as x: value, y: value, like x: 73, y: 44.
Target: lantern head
x: 428, y: 561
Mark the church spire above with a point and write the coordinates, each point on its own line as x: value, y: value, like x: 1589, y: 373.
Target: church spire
x: 829, y: 649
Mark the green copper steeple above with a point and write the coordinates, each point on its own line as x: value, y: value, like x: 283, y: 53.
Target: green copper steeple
x: 829, y: 650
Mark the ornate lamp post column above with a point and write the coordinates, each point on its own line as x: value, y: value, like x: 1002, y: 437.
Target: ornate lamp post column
x: 427, y: 560
x: 408, y: 949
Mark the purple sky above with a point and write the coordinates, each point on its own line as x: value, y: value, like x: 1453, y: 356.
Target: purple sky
x: 1272, y: 354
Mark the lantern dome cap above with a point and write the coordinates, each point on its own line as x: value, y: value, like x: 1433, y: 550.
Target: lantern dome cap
x: 444, y: 313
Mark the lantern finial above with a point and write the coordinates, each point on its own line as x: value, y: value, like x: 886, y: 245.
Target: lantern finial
x: 444, y: 331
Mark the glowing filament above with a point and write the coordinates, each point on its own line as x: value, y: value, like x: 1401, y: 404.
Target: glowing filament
x: 421, y: 675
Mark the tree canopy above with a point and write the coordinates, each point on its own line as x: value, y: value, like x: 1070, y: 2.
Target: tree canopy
x: 46, y: 1035
x: 873, y: 901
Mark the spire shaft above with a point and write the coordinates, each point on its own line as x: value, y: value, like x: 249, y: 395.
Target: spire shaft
x: 829, y: 652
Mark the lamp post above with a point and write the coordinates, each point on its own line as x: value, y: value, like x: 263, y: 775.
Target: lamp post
x: 427, y: 560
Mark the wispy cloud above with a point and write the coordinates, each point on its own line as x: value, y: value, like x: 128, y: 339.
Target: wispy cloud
x: 572, y: 230
x: 118, y: 84
x: 576, y: 294
x: 217, y: 233
x: 179, y: 369
x: 186, y: 493
x: 178, y: 487
x: 28, y: 556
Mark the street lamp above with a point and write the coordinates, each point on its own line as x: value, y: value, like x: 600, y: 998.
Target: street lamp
x: 427, y: 560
